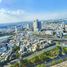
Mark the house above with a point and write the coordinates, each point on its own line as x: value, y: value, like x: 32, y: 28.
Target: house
x: 34, y: 47
x: 48, y: 31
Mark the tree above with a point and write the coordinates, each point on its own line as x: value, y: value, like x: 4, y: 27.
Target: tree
x: 35, y: 59
x: 17, y: 54
x: 42, y: 57
x: 65, y: 50
x: 15, y: 65
x: 41, y: 65
x: 53, y: 62
x: 16, y: 48
x: 53, y: 53
x: 26, y: 63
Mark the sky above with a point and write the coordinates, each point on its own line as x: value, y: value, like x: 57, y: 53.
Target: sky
x: 27, y: 10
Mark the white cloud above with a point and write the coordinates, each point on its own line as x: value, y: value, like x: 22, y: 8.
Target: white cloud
x: 11, y: 12
x: 21, y: 15
x: 10, y: 15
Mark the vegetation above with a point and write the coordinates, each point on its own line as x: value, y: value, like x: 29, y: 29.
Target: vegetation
x: 54, y: 33
x: 15, y: 65
x: 40, y: 58
x: 53, y: 53
x: 58, y: 43
x: 65, y: 36
x: 34, y: 59
x: 23, y: 63
x: 59, y: 61
x: 56, y: 62
x: 41, y: 65
x: 17, y: 54
x: 53, y: 62
x: 65, y: 50
x: 43, y: 57
x: 16, y: 48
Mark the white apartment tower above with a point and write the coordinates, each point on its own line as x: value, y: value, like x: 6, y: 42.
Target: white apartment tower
x: 36, y: 25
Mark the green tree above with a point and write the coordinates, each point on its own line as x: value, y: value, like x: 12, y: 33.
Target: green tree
x: 65, y: 50
x: 16, y: 48
x: 17, y: 54
x: 53, y: 62
x: 41, y: 65
x: 15, y: 65
x: 42, y: 57
x: 53, y: 53
x: 34, y: 59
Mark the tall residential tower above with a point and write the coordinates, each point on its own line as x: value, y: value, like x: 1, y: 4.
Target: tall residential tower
x: 36, y: 25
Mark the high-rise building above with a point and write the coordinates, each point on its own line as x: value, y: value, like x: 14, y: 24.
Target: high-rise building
x: 36, y: 25
x: 16, y: 37
x: 27, y: 26
x: 16, y: 32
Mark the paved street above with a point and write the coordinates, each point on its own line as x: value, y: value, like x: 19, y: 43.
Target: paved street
x: 39, y: 52
x: 63, y: 64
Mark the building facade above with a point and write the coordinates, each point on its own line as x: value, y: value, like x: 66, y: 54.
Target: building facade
x: 36, y: 25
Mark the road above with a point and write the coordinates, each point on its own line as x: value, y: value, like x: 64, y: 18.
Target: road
x: 63, y: 64
x: 55, y: 39
x: 32, y: 55
x: 4, y: 38
x: 39, y: 52
x: 56, y: 60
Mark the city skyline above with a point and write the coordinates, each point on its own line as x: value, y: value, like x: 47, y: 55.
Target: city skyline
x: 26, y: 10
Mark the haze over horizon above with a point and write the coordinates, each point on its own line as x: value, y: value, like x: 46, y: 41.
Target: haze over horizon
x: 27, y: 10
